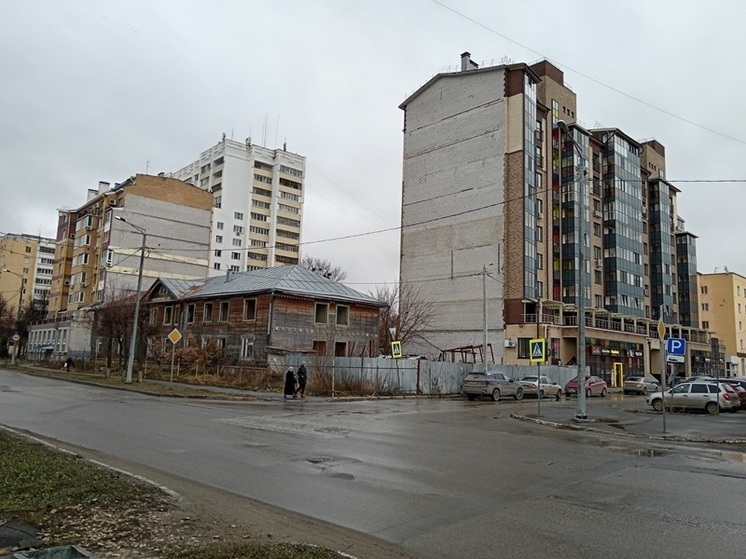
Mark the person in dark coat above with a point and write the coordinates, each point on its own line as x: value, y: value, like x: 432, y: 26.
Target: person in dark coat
x: 289, y: 384
x: 68, y: 363
x: 302, y: 380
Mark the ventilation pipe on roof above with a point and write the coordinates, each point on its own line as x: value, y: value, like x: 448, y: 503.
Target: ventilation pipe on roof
x: 228, y: 276
x: 466, y: 62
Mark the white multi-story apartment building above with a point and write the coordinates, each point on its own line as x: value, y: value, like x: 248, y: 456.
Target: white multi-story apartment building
x: 258, y: 212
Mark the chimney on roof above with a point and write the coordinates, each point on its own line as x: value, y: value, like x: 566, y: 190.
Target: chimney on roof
x: 103, y: 186
x: 228, y: 276
x: 467, y: 63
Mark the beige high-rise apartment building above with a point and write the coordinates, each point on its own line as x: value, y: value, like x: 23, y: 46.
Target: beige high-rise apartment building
x: 258, y: 204
x: 99, y: 250
x: 26, y: 263
x: 722, y: 299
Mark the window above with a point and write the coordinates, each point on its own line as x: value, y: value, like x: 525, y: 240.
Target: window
x: 191, y: 310
x: 705, y: 306
x: 153, y: 316
x: 706, y: 324
x: 207, y: 313
x: 238, y: 216
x: 291, y: 171
x: 168, y: 314
x: 247, y: 348
x: 219, y: 225
x: 218, y: 201
x: 237, y: 229
x: 699, y: 388
x: 321, y: 313
x: 236, y: 242
x: 539, y: 233
x: 319, y: 347
x: 523, y: 348
x: 224, y: 310
x: 218, y: 252
x: 340, y: 349
x: 218, y: 238
x: 343, y: 315
x: 249, y: 309
x: 235, y: 256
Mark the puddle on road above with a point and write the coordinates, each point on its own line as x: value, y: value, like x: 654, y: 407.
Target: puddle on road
x: 651, y: 452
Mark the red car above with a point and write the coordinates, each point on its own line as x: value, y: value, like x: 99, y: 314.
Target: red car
x: 593, y: 385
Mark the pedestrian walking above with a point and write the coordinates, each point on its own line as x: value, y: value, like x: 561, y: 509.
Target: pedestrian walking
x: 68, y: 363
x: 302, y: 380
x: 289, y: 384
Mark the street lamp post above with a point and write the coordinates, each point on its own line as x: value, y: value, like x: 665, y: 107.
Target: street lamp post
x: 581, y: 176
x: 131, y: 359
x: 18, y: 317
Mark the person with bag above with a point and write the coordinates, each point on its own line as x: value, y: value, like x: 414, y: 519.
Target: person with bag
x: 302, y: 380
x: 289, y: 384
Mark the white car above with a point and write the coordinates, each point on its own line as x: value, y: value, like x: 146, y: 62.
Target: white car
x: 697, y: 395
x: 547, y: 387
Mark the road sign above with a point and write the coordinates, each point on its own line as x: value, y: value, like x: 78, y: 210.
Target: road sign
x: 537, y: 350
x: 675, y: 350
x: 174, y: 336
x: 396, y: 350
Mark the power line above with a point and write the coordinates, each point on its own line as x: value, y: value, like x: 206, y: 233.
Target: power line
x: 586, y: 76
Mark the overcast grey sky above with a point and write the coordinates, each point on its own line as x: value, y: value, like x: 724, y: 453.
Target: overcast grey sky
x: 100, y: 90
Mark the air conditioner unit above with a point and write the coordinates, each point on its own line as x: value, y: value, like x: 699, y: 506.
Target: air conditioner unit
x: 596, y: 213
x: 509, y: 343
x: 599, y: 262
x: 539, y: 214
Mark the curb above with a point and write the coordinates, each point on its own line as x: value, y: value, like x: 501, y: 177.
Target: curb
x: 674, y: 438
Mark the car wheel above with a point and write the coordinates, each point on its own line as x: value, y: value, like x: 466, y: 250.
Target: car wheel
x: 541, y: 394
x: 519, y: 394
x: 657, y: 404
x: 495, y: 395
x: 712, y: 408
x: 470, y: 396
x: 588, y: 393
x: 603, y: 393
x: 644, y: 390
x: 558, y: 396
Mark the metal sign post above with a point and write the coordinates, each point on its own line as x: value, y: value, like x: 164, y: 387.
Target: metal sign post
x: 537, y: 353
x: 661, y: 334
x: 174, y: 336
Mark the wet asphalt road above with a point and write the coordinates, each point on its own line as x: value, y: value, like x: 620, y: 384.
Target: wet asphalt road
x: 441, y: 478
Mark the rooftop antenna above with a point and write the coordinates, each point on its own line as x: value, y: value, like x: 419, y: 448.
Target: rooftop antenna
x: 147, y: 166
x: 277, y: 129
x: 264, y: 132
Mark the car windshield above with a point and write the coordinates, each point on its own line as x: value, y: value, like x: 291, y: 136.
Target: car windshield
x: 634, y: 379
x: 529, y: 378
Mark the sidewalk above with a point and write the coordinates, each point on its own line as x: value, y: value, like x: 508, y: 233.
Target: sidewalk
x: 635, y: 419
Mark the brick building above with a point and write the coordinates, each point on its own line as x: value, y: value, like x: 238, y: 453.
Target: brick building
x: 495, y: 195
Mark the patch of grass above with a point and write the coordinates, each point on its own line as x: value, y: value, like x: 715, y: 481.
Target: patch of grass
x: 257, y: 551
x: 35, y: 478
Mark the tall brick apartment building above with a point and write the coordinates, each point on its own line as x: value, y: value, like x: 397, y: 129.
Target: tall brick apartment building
x: 490, y: 204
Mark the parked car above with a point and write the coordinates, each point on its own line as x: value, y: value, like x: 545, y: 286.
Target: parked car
x: 496, y: 385
x: 593, y: 385
x: 548, y: 386
x: 640, y: 385
x: 740, y: 392
x: 708, y: 396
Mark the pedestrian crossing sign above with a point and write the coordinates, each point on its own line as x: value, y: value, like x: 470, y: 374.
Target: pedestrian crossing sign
x: 537, y: 350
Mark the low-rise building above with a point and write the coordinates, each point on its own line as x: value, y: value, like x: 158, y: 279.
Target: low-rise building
x: 259, y: 316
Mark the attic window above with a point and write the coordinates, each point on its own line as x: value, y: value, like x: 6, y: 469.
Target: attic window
x: 161, y: 290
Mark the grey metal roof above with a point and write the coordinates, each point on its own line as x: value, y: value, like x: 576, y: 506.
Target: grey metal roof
x: 290, y: 280
x: 179, y: 287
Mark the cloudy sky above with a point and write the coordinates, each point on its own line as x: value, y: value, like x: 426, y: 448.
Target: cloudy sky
x: 99, y: 90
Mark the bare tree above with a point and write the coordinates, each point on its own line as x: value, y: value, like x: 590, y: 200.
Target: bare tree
x: 408, y: 311
x: 323, y: 268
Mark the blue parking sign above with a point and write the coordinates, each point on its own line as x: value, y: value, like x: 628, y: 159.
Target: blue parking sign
x: 675, y: 350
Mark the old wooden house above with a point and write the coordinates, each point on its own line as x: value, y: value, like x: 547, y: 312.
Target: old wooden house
x: 260, y: 315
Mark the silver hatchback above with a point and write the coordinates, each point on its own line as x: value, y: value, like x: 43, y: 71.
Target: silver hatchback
x: 496, y: 385
x: 706, y: 396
